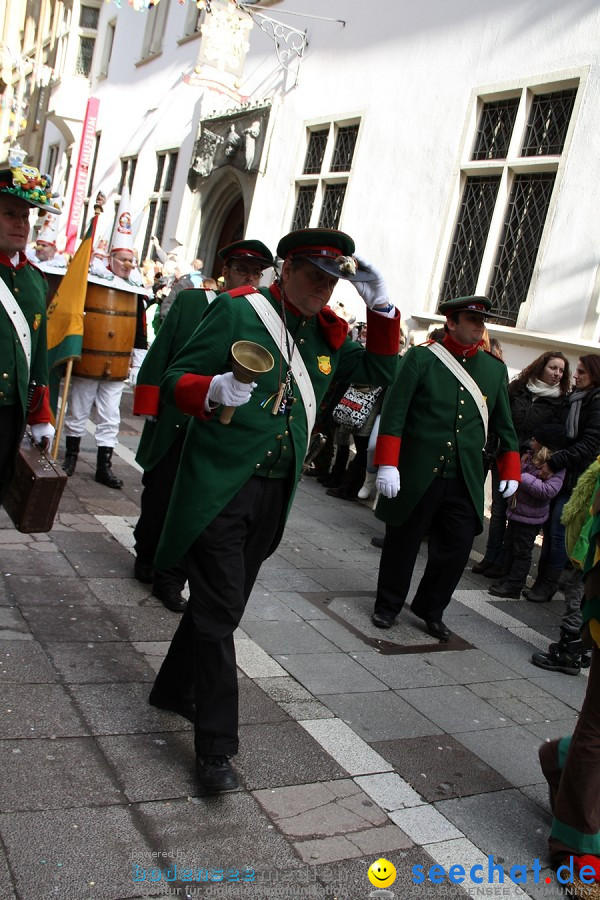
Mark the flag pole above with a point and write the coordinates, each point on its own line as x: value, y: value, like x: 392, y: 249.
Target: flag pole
x: 63, y: 407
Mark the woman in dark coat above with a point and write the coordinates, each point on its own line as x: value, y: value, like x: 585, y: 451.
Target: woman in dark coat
x: 537, y: 397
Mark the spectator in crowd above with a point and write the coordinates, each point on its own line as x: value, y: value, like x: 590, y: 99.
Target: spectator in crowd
x: 537, y: 397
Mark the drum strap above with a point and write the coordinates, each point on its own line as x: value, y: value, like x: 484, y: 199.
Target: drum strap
x: 18, y: 320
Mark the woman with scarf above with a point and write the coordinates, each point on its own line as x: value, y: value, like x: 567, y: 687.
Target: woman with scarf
x: 537, y: 397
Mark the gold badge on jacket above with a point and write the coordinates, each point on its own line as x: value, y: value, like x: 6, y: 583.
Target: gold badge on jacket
x: 36, y: 321
x: 324, y: 363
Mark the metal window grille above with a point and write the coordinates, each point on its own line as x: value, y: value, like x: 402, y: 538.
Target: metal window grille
x: 526, y: 214
x: 304, y: 205
x: 470, y: 236
x: 317, y: 141
x: 85, y: 53
x: 332, y: 205
x: 150, y: 229
x: 128, y: 167
x: 548, y: 123
x: 88, y: 17
x: 162, y: 217
x: 132, y: 167
x: 495, y: 129
x: 171, y: 171
x: 343, y: 152
x: 160, y: 165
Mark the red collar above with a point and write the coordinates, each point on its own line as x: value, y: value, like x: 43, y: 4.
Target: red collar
x: 460, y: 349
x: 6, y: 261
x: 332, y: 327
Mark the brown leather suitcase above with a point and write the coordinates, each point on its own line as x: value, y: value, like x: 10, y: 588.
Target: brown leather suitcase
x: 34, y: 493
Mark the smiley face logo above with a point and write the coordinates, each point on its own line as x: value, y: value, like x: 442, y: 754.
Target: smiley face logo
x: 382, y: 873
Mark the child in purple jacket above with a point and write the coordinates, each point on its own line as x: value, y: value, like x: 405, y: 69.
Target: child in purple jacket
x: 528, y: 509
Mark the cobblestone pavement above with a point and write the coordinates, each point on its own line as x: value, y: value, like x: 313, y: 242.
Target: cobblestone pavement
x: 352, y: 748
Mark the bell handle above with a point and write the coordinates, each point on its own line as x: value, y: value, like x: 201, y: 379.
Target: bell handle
x: 226, y: 415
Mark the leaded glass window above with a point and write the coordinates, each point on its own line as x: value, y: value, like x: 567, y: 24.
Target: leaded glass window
x: 150, y: 229
x: 522, y: 232
x: 88, y: 17
x: 304, y: 205
x: 343, y: 153
x: 548, y: 123
x: 160, y: 165
x: 317, y: 141
x: 162, y: 218
x: 171, y: 171
x: 495, y: 129
x: 85, y: 54
x: 332, y: 205
x: 470, y: 236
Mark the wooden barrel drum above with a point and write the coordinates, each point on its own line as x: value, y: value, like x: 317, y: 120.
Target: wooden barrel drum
x: 108, y: 333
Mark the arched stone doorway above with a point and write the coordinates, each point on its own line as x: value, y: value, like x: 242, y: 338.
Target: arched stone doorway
x: 223, y: 218
x: 232, y: 230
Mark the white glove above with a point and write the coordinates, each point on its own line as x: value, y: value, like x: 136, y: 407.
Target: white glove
x: 43, y: 433
x: 388, y: 481
x: 508, y: 488
x: 374, y: 292
x: 229, y: 391
x: 133, y: 374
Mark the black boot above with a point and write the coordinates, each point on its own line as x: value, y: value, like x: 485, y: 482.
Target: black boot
x: 104, y: 473
x: 352, y: 483
x: 70, y: 460
x: 545, y: 590
x: 338, y: 471
x: 566, y: 656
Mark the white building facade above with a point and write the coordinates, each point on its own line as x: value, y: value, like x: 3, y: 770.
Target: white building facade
x: 457, y: 143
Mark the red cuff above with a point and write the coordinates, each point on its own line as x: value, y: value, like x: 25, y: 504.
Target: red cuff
x: 39, y: 410
x: 190, y: 395
x: 383, y: 333
x: 387, y: 450
x: 509, y: 466
x: 146, y: 400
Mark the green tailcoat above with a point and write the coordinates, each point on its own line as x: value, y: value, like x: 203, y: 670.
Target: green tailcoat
x: 217, y: 460
x: 433, y: 423
x: 179, y: 325
x: 29, y: 288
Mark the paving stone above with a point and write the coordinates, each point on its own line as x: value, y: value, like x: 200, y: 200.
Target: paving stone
x: 12, y: 625
x: 510, y: 751
x: 357, y: 612
x: 345, y: 746
x: 84, y: 624
x: 121, y: 592
x: 539, y: 794
x: 37, y: 590
x: 454, y: 708
x: 469, y: 666
x: 440, y: 766
x: 38, y: 710
x: 290, y: 580
x: 404, y: 671
x: 424, y: 824
x: 329, y: 673
x: 158, y: 766
x: 381, y: 716
x: 72, y: 853
x: 464, y: 852
x: 284, y: 690
x: 256, y: 707
x: 29, y: 562
x: 302, y: 710
x: 123, y: 709
x: 100, y: 563
x: 326, y: 850
x: 86, y: 663
x: 549, y: 730
x: 516, y: 710
x: 59, y: 774
x: 272, y: 756
x: 501, y: 824
x: 253, y: 660
x: 288, y: 637
x: 147, y: 623
x: 571, y: 690
x: 264, y: 606
x: 313, y: 810
x: 516, y: 655
x: 389, y: 791
x: 7, y: 890
x: 338, y: 634
x: 518, y: 687
x: 24, y: 662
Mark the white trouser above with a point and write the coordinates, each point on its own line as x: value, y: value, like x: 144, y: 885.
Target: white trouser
x: 107, y: 397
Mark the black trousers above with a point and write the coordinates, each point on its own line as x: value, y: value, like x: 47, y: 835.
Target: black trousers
x: 222, y: 566
x: 158, y: 486
x: 11, y: 430
x: 447, y: 511
x: 518, y: 550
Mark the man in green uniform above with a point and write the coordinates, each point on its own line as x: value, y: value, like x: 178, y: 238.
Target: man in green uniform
x: 23, y: 352
x: 236, y: 482
x: 165, y: 428
x: 433, y: 428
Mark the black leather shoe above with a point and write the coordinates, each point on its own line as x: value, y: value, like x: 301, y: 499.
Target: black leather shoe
x: 215, y: 774
x: 170, y: 597
x: 494, y: 572
x: 184, y: 708
x: 144, y: 572
x: 382, y: 620
x: 503, y: 590
x: 438, y: 630
x: 482, y: 567
x: 377, y: 541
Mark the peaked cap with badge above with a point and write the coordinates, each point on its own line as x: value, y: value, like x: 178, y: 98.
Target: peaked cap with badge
x: 327, y: 248
x: 252, y: 251
x: 481, y: 305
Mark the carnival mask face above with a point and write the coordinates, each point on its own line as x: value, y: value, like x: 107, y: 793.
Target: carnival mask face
x: 122, y: 262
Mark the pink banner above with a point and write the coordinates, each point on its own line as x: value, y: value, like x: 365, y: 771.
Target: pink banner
x: 86, y: 149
